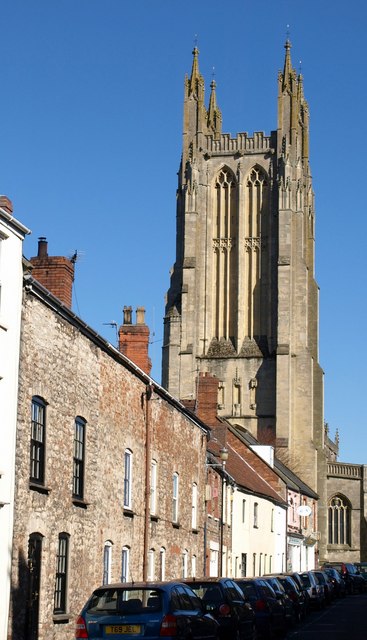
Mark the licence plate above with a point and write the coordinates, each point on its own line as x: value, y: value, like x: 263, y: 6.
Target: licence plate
x: 123, y: 629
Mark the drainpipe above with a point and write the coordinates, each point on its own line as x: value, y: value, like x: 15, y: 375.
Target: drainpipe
x: 147, y: 395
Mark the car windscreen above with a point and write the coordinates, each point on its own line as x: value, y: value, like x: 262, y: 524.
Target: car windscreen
x: 248, y: 589
x: 209, y: 593
x: 125, y: 601
x: 305, y: 579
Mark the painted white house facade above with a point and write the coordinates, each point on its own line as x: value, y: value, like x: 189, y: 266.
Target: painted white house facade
x: 259, y: 536
x: 12, y: 234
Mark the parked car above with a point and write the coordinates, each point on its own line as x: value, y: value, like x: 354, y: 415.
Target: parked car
x: 269, y: 611
x: 306, y: 599
x: 283, y: 597
x: 323, y: 580
x: 148, y: 610
x: 223, y: 598
x: 355, y: 583
x: 340, y: 589
x: 295, y: 595
x: 314, y: 589
x: 362, y: 568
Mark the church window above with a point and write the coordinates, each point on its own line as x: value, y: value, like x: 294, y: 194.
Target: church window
x: 256, y: 267
x: 225, y: 231
x: 339, y: 514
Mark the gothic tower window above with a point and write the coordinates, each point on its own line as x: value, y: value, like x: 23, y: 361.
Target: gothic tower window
x: 256, y: 232
x: 225, y: 231
x: 339, y: 513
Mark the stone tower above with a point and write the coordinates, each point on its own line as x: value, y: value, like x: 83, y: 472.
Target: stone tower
x: 243, y: 301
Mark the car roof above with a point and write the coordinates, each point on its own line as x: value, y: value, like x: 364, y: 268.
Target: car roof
x: 211, y: 579
x: 138, y: 585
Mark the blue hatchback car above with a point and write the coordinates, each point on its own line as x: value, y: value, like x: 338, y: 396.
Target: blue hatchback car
x: 149, y: 610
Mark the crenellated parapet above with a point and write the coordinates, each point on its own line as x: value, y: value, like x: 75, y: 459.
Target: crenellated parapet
x: 242, y: 143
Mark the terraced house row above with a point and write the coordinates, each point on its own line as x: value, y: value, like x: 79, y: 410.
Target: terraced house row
x: 114, y: 478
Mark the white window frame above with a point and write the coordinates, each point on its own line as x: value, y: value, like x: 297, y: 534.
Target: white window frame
x: 153, y: 487
x: 128, y: 472
x: 184, y: 563
x: 125, y: 564
x: 107, y: 562
x: 193, y: 566
x: 194, y: 507
x: 175, y: 497
x: 256, y: 515
x: 243, y: 510
x: 162, y: 564
x: 151, y: 565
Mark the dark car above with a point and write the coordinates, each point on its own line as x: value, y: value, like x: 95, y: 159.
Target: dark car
x: 291, y: 614
x: 355, y: 583
x: 306, y: 598
x: 223, y: 598
x: 340, y: 588
x: 362, y: 568
x: 148, y: 610
x: 324, y: 581
x: 269, y: 611
x: 315, y: 591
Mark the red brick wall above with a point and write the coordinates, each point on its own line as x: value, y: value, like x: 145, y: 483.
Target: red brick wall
x: 56, y: 274
x: 134, y: 343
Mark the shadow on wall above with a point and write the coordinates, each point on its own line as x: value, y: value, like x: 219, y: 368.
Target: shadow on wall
x: 19, y: 602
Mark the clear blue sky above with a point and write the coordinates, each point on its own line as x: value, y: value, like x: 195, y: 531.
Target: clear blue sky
x: 90, y: 135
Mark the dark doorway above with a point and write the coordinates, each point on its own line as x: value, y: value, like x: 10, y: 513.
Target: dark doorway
x: 34, y: 564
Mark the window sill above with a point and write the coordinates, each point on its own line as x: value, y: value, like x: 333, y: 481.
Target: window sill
x: 41, y: 488
x: 195, y: 530
x: 79, y: 502
x: 128, y: 512
x: 154, y: 517
x: 176, y: 525
x: 61, y: 618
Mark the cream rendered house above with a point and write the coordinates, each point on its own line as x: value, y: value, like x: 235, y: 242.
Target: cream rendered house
x: 259, y: 535
x: 259, y: 520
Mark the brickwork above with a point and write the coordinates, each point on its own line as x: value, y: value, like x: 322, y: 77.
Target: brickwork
x: 55, y: 273
x: 134, y: 339
x: 79, y: 377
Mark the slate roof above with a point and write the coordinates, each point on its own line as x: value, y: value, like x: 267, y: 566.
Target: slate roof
x: 289, y: 477
x: 244, y: 475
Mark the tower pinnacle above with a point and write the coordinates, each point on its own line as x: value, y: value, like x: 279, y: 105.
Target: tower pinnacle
x: 214, y: 113
x: 288, y: 70
x: 195, y: 78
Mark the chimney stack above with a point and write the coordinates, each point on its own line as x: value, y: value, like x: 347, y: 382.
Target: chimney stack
x: 207, y: 398
x: 134, y: 339
x: 6, y: 204
x: 55, y: 273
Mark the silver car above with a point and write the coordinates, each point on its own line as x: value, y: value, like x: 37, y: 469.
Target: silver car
x: 315, y: 590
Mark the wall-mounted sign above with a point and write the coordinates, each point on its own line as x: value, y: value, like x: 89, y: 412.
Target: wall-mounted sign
x: 304, y: 510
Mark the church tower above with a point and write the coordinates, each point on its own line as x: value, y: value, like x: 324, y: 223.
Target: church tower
x: 243, y: 301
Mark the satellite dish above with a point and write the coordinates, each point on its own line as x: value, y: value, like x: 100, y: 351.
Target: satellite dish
x: 304, y: 510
